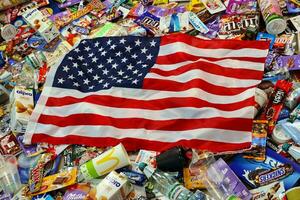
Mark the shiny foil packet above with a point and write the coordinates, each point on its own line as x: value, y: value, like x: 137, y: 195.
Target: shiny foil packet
x: 289, y: 62
x: 233, y: 26
x: 259, y: 138
x: 241, y: 6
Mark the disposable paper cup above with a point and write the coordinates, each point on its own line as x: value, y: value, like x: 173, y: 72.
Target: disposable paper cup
x: 110, y: 160
x: 293, y: 194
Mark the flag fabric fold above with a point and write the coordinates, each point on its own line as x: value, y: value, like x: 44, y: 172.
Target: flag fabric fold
x: 151, y: 93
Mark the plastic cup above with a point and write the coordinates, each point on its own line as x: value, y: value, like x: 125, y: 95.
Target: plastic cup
x: 9, y: 175
x: 110, y: 160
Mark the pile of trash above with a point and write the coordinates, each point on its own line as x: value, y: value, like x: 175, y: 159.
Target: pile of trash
x: 36, y: 35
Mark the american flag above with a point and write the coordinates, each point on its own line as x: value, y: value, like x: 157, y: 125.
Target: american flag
x: 151, y: 93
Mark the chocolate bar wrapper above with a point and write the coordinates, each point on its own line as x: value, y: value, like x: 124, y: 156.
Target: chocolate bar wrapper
x: 290, y: 62
x: 192, y: 182
x: 214, y: 6
x: 58, y: 181
x: 233, y: 26
x: 266, y: 37
x: 149, y: 22
x: 259, y: 138
x: 241, y: 7
x: 272, y: 191
x: 243, y: 167
x: 292, y: 8
x: 221, y: 176
x: 9, y: 145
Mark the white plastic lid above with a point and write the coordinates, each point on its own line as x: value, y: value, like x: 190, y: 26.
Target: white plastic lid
x: 279, y: 136
x: 276, y: 26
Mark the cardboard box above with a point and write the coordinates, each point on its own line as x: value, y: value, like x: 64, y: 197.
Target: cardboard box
x: 22, y: 108
x: 44, y: 26
x: 113, y: 187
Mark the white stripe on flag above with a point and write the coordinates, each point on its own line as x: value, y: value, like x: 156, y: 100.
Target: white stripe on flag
x: 209, y: 134
x: 212, y: 53
x: 208, y: 77
x: 166, y: 114
x: 142, y: 94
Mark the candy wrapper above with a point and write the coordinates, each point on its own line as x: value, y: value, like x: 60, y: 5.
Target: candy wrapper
x: 272, y: 191
x: 149, y: 22
x: 241, y: 7
x: 214, y: 6
x: 223, y: 179
x: 9, y: 145
x: 147, y: 157
x: 29, y: 150
x: 259, y: 138
x: 192, y: 182
x: 80, y: 191
x: 234, y: 26
x: 292, y: 8
x: 275, y: 104
x: 274, y: 167
x: 266, y: 37
x: 37, y: 172
x: 290, y: 62
x: 5, y: 4
x: 57, y: 181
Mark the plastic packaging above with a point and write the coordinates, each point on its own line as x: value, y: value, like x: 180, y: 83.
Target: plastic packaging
x: 169, y: 186
x: 9, y: 175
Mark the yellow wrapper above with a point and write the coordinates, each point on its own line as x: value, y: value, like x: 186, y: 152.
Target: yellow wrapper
x: 297, y: 2
x: 195, y: 6
x: 192, y: 182
x: 58, y: 181
x: 158, y: 2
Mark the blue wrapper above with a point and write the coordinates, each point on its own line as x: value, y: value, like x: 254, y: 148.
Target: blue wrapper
x: 285, y: 113
x: 24, y: 174
x: 149, y: 22
x: 134, y: 177
x: 242, y: 168
x: 266, y: 37
x: 2, y: 61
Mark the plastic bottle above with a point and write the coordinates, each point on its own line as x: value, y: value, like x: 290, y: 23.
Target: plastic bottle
x: 294, y: 151
x: 9, y: 175
x: 168, y: 186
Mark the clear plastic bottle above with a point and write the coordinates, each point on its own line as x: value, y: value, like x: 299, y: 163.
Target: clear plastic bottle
x: 169, y: 186
x: 9, y: 175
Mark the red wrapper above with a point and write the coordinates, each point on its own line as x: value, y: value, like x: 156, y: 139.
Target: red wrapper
x: 276, y: 102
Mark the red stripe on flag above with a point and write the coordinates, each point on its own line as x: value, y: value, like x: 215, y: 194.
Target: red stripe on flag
x: 167, y: 85
x: 213, y: 69
x: 182, y: 57
x: 158, y: 104
x: 213, y: 44
x: 238, y: 124
x: 134, y: 144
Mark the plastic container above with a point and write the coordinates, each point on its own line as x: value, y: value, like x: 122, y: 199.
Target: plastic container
x: 271, y: 12
x: 9, y: 175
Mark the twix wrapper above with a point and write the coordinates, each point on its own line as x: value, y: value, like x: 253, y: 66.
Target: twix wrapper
x: 37, y: 173
x: 94, y: 4
x: 276, y: 102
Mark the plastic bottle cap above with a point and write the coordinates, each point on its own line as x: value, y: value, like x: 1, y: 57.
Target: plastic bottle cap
x: 285, y: 147
x: 276, y: 26
x: 142, y: 166
x: 279, y: 136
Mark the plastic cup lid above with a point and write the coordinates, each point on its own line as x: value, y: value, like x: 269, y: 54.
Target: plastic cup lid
x: 279, y: 135
x: 276, y: 26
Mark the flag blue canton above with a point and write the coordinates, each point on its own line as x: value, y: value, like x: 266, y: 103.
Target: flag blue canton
x: 103, y: 63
